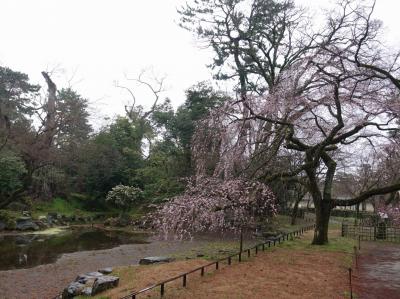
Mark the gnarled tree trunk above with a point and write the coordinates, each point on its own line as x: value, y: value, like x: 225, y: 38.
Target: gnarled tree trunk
x: 50, y: 125
x: 322, y: 213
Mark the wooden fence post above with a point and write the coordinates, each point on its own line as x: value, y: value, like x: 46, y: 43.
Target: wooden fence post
x: 351, y: 287
x: 184, y: 281
x: 241, y: 239
x: 162, y: 291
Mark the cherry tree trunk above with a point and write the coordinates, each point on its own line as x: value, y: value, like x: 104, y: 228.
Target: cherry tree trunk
x: 322, y: 213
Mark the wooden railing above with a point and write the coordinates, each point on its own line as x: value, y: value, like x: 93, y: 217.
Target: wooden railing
x: 216, y: 264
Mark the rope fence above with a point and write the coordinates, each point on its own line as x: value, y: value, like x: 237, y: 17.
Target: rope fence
x: 229, y: 259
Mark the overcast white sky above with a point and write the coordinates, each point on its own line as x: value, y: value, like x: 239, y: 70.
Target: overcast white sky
x: 95, y: 42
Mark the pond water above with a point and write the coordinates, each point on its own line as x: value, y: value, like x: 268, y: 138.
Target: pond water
x: 30, y: 250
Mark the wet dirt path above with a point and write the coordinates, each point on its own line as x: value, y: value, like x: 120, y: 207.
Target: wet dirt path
x: 378, y: 274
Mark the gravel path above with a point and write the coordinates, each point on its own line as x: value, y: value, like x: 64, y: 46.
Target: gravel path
x: 378, y: 274
x: 45, y: 281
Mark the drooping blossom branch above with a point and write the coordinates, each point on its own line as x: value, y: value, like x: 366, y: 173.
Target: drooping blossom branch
x: 214, y: 205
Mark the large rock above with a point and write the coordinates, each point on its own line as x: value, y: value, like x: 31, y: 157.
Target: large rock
x: 90, y: 284
x: 107, y: 270
x: 85, y: 278
x: 26, y: 223
x: 155, y: 259
x: 72, y: 290
x: 104, y: 283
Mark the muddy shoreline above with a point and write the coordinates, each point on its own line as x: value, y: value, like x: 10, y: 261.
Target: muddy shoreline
x: 46, y: 281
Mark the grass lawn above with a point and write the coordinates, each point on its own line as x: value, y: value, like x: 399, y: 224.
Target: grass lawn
x: 75, y: 206
x: 293, y: 269
x: 60, y: 206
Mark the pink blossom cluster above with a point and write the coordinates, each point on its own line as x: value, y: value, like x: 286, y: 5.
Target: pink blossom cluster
x: 215, y: 205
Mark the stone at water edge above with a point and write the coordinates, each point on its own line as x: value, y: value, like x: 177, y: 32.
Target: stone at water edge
x: 41, y: 224
x: 155, y: 259
x: 52, y: 218
x: 26, y: 213
x: 84, y: 278
x: 42, y: 218
x: 26, y: 223
x: 52, y: 215
x: 104, y: 283
x: 90, y: 284
x: 2, y: 225
x: 107, y: 270
x: 72, y: 290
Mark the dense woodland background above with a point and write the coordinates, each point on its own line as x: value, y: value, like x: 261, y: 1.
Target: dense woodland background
x: 314, y: 110
x: 46, y: 154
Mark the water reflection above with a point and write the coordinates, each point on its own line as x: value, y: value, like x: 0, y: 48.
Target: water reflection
x: 26, y: 251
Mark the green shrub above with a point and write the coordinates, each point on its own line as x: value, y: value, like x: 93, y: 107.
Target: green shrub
x: 8, y: 218
x: 124, y: 196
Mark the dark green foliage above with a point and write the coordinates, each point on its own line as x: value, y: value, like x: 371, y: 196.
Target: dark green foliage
x: 16, y: 93
x: 160, y: 177
x: 180, y: 127
x: 74, y: 125
x: 200, y: 99
x: 11, y: 176
x: 12, y: 170
x: 149, y: 150
x: 252, y: 40
x: 102, y: 165
x: 151, y: 154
